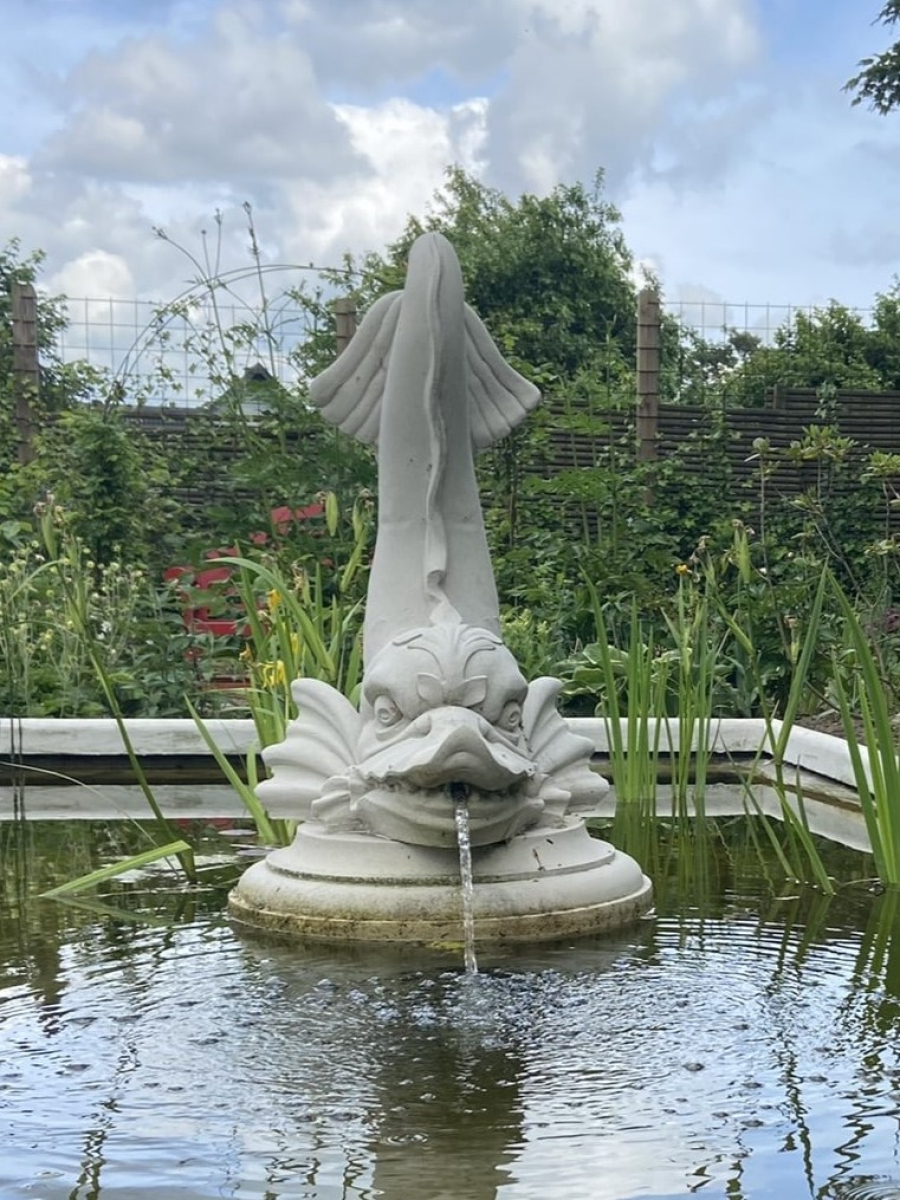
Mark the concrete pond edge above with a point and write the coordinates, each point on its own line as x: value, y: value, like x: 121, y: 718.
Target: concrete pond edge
x: 29, y: 745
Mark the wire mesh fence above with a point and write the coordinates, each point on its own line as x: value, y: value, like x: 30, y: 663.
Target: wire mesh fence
x: 717, y: 320
x: 743, y: 355
x: 183, y: 354
x: 807, y: 384
x: 188, y: 353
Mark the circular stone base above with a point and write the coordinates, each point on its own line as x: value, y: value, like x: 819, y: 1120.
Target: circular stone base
x: 352, y: 887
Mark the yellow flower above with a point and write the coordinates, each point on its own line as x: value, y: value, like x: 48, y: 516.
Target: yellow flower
x: 273, y: 599
x: 682, y: 569
x: 273, y: 674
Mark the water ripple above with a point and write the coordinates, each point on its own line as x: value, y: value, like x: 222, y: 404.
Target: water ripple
x: 868, y: 1189
x: 746, y: 1052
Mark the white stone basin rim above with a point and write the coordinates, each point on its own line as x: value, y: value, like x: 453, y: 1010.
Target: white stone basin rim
x: 35, y: 737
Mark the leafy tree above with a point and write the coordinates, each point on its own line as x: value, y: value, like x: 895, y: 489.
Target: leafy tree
x: 14, y: 268
x: 110, y: 480
x: 883, y: 348
x: 878, y: 80
x: 830, y: 347
x: 695, y: 369
x: 549, y: 276
x: 61, y: 384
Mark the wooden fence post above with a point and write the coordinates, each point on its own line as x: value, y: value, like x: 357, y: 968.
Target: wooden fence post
x: 648, y: 341
x: 344, y: 322
x: 26, y: 368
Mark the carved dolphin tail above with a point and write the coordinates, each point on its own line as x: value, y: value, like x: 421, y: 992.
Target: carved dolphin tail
x: 423, y: 380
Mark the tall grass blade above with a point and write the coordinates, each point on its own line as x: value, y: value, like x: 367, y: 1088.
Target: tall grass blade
x: 753, y: 806
x: 879, y: 788
x: 271, y: 832
x: 801, y: 671
x: 185, y: 855
x: 634, y: 754
x: 72, y: 886
x: 802, y: 860
x: 797, y: 824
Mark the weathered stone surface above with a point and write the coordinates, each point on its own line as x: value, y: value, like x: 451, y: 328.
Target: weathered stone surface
x: 539, y: 886
x: 446, y: 716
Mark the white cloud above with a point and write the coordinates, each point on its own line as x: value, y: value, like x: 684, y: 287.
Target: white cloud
x: 405, y: 148
x: 375, y: 44
x: 15, y: 181
x: 95, y: 273
x: 336, y: 120
x: 593, y: 81
x: 240, y: 103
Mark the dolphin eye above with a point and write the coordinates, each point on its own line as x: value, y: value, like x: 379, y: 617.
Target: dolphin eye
x: 511, y: 716
x: 386, y: 711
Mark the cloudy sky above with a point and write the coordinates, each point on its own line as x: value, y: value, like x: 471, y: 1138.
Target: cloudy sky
x: 740, y: 167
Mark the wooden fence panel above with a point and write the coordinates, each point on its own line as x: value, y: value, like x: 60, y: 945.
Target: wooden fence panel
x: 872, y: 420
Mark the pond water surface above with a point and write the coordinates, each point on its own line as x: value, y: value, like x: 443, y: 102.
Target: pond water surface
x: 743, y: 1041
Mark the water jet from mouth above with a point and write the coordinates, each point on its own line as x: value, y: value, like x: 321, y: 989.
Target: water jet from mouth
x: 459, y: 793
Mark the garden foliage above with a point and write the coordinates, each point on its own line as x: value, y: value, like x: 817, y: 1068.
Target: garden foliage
x: 553, y: 279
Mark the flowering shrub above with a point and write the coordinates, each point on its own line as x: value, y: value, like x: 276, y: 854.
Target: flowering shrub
x: 58, y: 605
x: 303, y: 614
x: 226, y: 596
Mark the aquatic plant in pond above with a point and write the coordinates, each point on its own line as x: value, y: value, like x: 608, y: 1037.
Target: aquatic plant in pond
x: 657, y: 682
x: 65, y: 560
x: 674, y: 680
x: 879, y: 785
x: 633, y: 684
x: 867, y: 726
x: 305, y: 624
x: 699, y: 666
x: 799, y: 857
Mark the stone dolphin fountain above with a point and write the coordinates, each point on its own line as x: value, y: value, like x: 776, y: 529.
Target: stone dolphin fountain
x: 446, y: 717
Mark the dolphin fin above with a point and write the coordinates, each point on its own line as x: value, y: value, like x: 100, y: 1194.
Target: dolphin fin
x: 500, y: 397
x: 349, y: 392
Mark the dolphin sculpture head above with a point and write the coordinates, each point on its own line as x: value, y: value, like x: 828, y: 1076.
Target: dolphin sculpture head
x: 442, y: 720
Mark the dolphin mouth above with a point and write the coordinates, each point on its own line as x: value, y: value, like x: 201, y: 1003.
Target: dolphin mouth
x: 409, y: 789
x: 453, y: 750
x: 427, y: 817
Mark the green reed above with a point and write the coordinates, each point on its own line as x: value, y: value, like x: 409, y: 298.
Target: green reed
x: 303, y: 621
x: 633, y: 684
x: 699, y: 663
x: 797, y: 854
x: 65, y: 555
x: 879, y: 785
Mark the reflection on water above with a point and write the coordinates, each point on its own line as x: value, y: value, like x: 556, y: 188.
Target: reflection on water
x: 739, y: 1043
